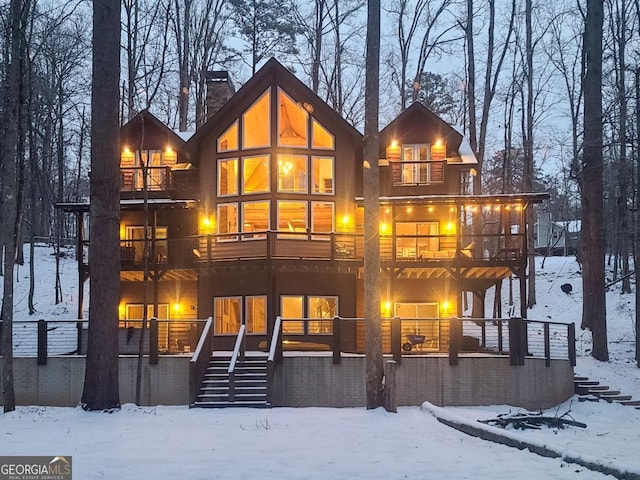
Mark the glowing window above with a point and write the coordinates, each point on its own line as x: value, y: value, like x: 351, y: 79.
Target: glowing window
x: 228, y: 141
x: 227, y: 221
x: 322, y: 175
x: 255, y: 174
x: 322, y: 219
x: 256, y: 123
x: 321, y: 138
x: 227, y: 312
x: 227, y: 177
x: 292, y: 173
x: 292, y: 307
x: 255, y: 218
x: 324, y: 308
x: 256, y: 314
x: 292, y: 219
x: 292, y: 122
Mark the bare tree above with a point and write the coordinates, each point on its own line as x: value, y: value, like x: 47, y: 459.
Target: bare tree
x: 591, y: 174
x: 101, y: 390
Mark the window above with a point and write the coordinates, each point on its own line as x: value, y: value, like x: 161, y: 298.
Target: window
x: 227, y: 221
x: 292, y: 173
x: 324, y: 309
x: 255, y: 218
x: 416, y: 166
x: 292, y: 122
x: 322, y: 175
x: 321, y: 137
x: 256, y: 315
x: 292, y: 218
x: 292, y: 307
x: 227, y: 312
x: 417, y: 240
x: 227, y: 177
x: 255, y: 174
x: 322, y: 219
x: 228, y: 141
x: 132, y: 249
x: 256, y: 131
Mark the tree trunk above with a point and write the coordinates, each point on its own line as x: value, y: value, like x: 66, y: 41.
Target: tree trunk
x: 373, y: 333
x: 591, y: 179
x: 101, y: 376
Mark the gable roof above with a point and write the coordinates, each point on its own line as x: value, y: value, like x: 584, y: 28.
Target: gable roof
x: 146, y: 128
x: 418, y: 124
x: 272, y: 72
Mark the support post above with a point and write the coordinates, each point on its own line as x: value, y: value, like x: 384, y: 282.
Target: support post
x: 42, y: 342
x: 337, y: 340
x: 516, y: 353
x: 153, y: 341
x: 571, y: 341
x: 390, y: 404
x: 455, y: 340
x: 396, y: 340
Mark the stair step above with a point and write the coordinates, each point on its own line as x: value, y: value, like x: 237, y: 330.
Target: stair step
x: 587, y: 383
x: 618, y: 398
x: 588, y: 398
x: 598, y: 388
x: 631, y: 403
x: 205, y: 404
x: 607, y: 393
x: 579, y: 378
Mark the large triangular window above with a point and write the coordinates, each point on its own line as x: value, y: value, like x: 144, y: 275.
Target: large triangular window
x: 292, y: 122
x: 321, y: 137
x: 256, y: 123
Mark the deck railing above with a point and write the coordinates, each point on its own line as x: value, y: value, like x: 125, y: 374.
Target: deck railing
x: 158, y: 179
x: 515, y: 338
x: 200, y: 360
x: 198, y: 250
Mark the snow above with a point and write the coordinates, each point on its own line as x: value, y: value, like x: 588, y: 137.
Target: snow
x: 324, y: 443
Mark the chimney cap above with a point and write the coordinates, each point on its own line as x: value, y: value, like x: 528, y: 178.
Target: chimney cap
x: 216, y: 75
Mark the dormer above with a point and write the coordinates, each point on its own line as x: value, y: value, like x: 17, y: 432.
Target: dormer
x: 420, y: 154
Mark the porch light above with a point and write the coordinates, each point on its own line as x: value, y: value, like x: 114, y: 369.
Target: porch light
x: 168, y: 149
x: 176, y: 308
x: 518, y: 207
x: 452, y: 209
x: 385, y: 309
x: 126, y: 150
x: 123, y: 231
x: 438, y: 143
x: 450, y: 228
x: 346, y: 220
x: 409, y: 209
x: 387, y: 210
x: 121, y: 310
x: 430, y: 209
x: 394, y: 144
x: 384, y: 229
x: 207, y: 225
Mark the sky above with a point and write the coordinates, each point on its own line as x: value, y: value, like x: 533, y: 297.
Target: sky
x: 349, y: 443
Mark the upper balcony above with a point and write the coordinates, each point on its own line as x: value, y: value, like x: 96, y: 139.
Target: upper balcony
x: 418, y: 251
x: 158, y: 179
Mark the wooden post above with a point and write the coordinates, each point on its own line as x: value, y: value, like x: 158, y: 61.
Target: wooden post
x: 390, y: 404
x: 396, y: 340
x: 455, y: 340
x: 337, y: 340
x: 42, y: 342
x: 547, y: 345
x: 571, y: 341
x: 153, y: 341
x: 516, y: 354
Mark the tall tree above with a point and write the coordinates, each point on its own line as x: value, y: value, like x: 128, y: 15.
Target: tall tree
x: 591, y: 175
x: 267, y: 28
x: 12, y: 151
x: 373, y: 332
x: 101, y: 375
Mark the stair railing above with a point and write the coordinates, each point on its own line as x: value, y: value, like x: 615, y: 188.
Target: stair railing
x: 200, y: 360
x: 271, y: 359
x: 238, y: 353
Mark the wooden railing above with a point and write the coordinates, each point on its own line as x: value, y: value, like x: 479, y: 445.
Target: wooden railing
x: 421, y: 250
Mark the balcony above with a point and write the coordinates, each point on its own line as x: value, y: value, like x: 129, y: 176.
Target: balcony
x: 159, y: 179
x: 403, y: 251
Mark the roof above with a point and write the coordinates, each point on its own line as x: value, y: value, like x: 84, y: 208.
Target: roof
x: 146, y: 123
x: 256, y: 85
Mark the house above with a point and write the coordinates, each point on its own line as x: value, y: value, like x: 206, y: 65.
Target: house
x: 555, y: 237
x: 256, y: 221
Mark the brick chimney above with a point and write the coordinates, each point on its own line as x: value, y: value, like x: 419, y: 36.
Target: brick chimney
x: 219, y: 90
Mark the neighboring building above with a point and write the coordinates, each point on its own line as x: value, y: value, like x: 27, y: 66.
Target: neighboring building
x: 555, y: 237
x: 260, y: 214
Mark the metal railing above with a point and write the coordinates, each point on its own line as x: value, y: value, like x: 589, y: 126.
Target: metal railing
x: 200, y: 360
x: 158, y: 179
x: 238, y: 354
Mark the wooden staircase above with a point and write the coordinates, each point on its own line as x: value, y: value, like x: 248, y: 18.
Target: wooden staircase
x: 246, y: 387
x: 591, y: 391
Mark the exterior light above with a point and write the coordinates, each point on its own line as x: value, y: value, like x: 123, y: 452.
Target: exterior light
x: 346, y: 220
x: 394, y: 144
x: 386, y: 309
x: 473, y: 172
x: 450, y: 227
x: 445, y: 306
x: 452, y: 209
x: 438, y: 143
x: 121, y: 311
x: 176, y: 308
x: 387, y: 210
x: 123, y: 231
x: 409, y: 209
x: 207, y: 225
x: 126, y: 150
x: 430, y: 209
x: 384, y: 229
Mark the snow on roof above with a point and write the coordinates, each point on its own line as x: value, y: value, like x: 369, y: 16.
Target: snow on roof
x: 466, y: 153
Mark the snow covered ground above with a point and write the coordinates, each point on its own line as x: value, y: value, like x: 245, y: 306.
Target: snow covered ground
x: 323, y: 443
